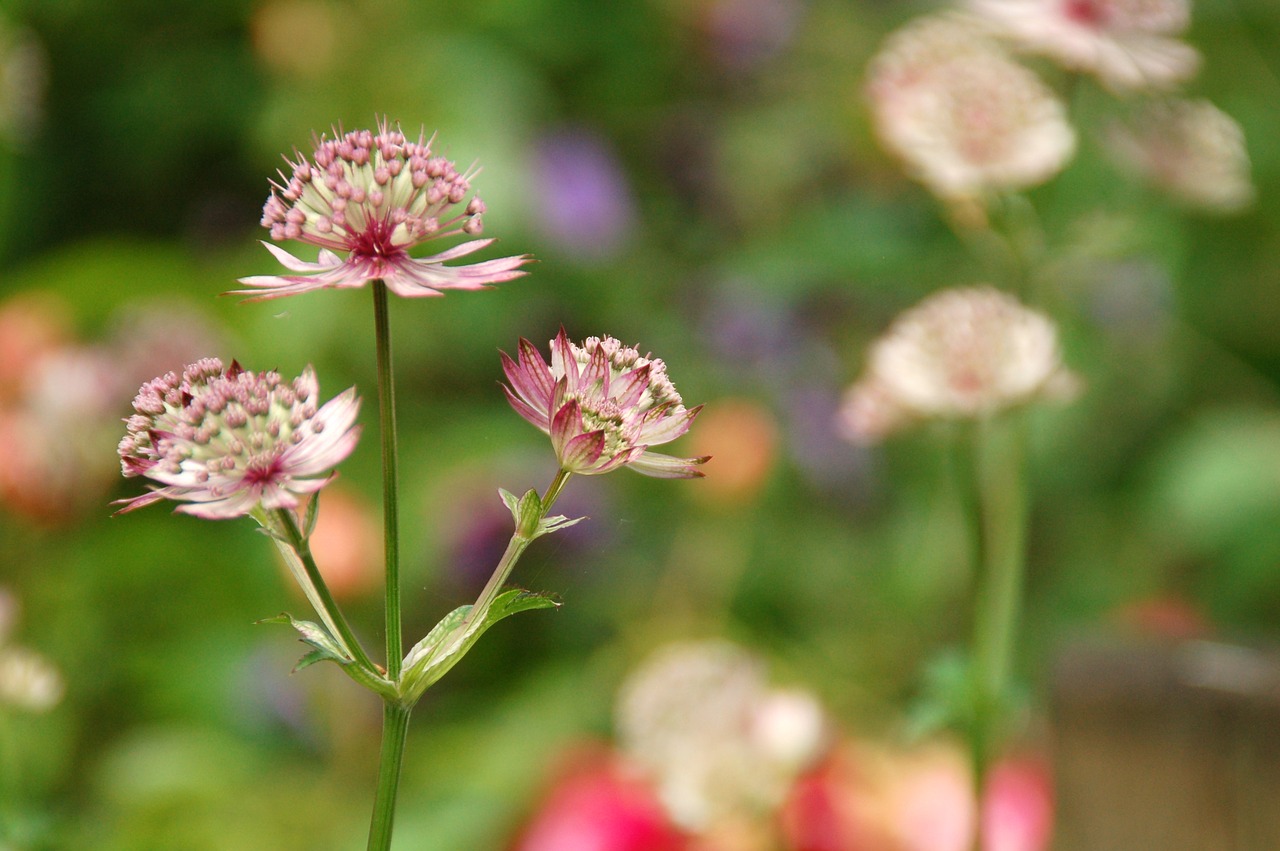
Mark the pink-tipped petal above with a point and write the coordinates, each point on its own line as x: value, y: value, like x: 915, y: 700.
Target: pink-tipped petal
x: 662, y: 466
x: 582, y: 452
x: 536, y: 418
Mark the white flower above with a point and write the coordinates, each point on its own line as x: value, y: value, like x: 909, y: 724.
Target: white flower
x: 1128, y: 44
x: 717, y: 742
x: 1190, y: 149
x: 959, y: 353
x: 964, y: 117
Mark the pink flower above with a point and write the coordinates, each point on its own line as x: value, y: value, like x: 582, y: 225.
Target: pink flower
x: 375, y: 197
x: 225, y: 442
x: 1128, y: 44
x: 603, y: 404
x: 597, y: 806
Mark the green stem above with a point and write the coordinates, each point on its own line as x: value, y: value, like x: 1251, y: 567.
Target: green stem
x: 329, y: 606
x: 395, y: 729
x: 1000, y: 477
x: 317, y: 591
x: 390, y: 484
x: 553, y: 491
x: 515, y: 548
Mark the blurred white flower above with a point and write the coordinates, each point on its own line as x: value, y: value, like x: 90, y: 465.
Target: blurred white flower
x: 1128, y: 44
x: 717, y: 742
x: 1190, y: 149
x: 959, y: 353
x: 27, y: 680
x: 964, y: 117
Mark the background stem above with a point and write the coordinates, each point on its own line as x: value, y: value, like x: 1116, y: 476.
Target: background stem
x: 999, y: 473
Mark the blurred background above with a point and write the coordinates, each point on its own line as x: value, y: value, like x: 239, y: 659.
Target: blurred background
x: 700, y: 178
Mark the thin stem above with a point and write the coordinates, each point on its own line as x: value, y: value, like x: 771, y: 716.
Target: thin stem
x: 515, y: 548
x: 553, y: 491
x: 327, y: 606
x: 390, y: 483
x: 1002, y: 488
x: 395, y: 729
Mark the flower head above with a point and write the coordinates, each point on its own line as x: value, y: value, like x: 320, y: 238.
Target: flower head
x: 375, y: 197
x: 1128, y: 44
x: 965, y: 118
x: 225, y: 441
x: 1190, y: 149
x: 701, y: 720
x: 959, y: 353
x: 603, y: 404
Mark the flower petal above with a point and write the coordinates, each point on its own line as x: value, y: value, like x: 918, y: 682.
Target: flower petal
x: 669, y: 467
x: 582, y: 452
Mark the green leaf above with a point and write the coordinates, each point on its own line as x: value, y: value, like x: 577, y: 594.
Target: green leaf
x: 455, y: 634
x: 309, y: 659
x: 527, y: 512
x: 326, y: 647
x: 313, y: 514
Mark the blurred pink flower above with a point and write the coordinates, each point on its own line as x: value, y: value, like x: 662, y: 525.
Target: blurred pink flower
x: 1128, y: 44
x: 225, y: 441
x: 872, y: 798
x: 603, y: 405
x: 348, y: 533
x: 375, y: 197
x: 1018, y: 806
x: 597, y: 807
x: 965, y: 118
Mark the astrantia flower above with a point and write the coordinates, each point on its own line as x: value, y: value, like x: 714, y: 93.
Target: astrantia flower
x: 964, y: 117
x: 374, y: 197
x: 959, y: 353
x: 1190, y: 149
x: 603, y: 404
x: 1128, y: 44
x: 719, y: 744
x: 225, y: 441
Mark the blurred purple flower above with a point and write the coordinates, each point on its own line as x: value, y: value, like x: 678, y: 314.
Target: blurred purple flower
x: 744, y: 33
x: 584, y: 201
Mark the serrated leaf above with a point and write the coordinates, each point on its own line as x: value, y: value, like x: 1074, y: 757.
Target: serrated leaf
x: 450, y: 639
x: 309, y: 659
x: 555, y: 524
x: 315, y: 635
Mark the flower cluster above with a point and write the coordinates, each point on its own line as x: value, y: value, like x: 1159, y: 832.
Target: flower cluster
x: 603, y: 405
x: 375, y: 197
x: 226, y: 441
x: 1128, y: 44
x: 960, y: 353
x: 965, y: 118
x: 1188, y: 148
x: 718, y: 743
